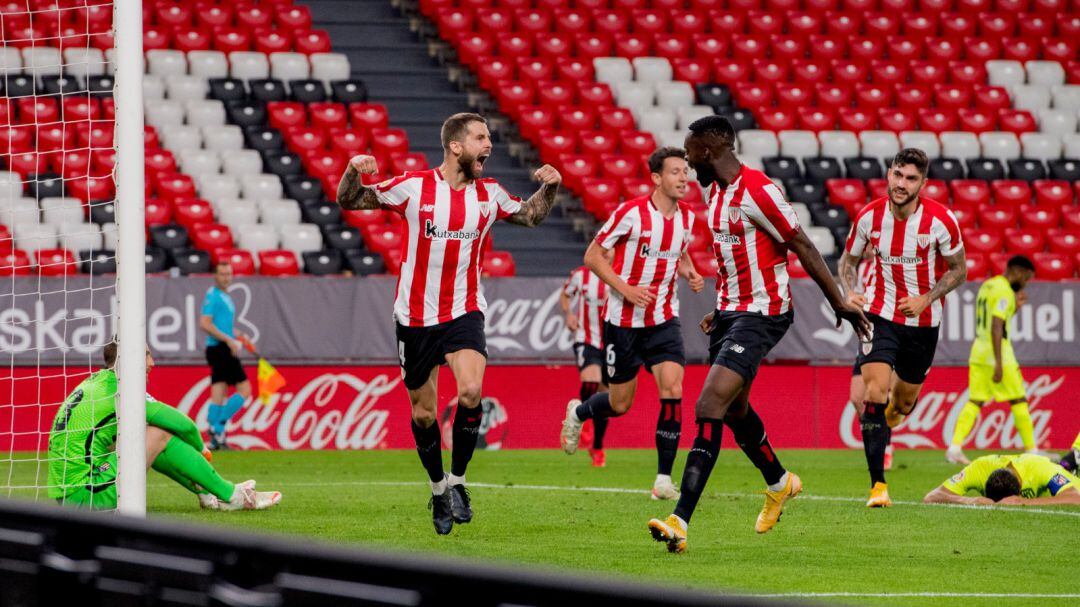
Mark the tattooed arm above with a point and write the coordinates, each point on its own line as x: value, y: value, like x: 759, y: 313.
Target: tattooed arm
x: 536, y: 208
x: 849, y: 279
x: 352, y: 194
x: 955, y: 276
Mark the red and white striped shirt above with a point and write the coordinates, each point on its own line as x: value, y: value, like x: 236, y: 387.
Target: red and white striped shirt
x: 647, y: 248
x: 751, y: 222
x: 908, y: 256
x: 440, y: 253
x: 587, y: 294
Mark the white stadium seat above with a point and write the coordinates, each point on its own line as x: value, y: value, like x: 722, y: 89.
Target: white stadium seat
x: 672, y: 138
x: 958, y: 144
x: 634, y: 96
x: 822, y: 239
x: 208, y: 64
x: 19, y: 211
x: 1070, y: 143
x: 1000, y: 145
x: 674, y: 94
x: 878, y: 144
x: 758, y: 143
x: 77, y: 237
x: 1066, y: 97
x: 11, y: 61
x: 289, y: 66
x: 242, y: 162
x: 224, y: 138
x: 687, y: 115
x: 656, y: 120
x: 1046, y: 73
x: 83, y: 62
x: 205, y: 113
x: 161, y: 114
x: 41, y: 61
x: 217, y: 187
x: 247, y: 65
x: 330, y: 66
x: 260, y: 186
x: 186, y: 88
x: 801, y: 211
x: 301, y: 238
x: 11, y: 185
x: 34, y: 236
x: 259, y: 237
x: 277, y: 212
x: 194, y: 162
x: 179, y: 138
x: 109, y: 236
x: 839, y: 144
x: 153, y: 87
x: 1041, y: 146
x: 798, y: 144
x: 1031, y: 97
x: 166, y: 63
x: 234, y: 216
x: 57, y: 211
x: 613, y: 70
x: 652, y: 69
x: 1005, y: 73
x: 923, y: 140
x: 1057, y: 122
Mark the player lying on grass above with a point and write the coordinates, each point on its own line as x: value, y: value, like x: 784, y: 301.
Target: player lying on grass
x: 1009, y: 480
x: 82, y: 450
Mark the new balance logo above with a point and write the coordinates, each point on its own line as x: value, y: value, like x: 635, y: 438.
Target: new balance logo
x: 427, y: 208
x: 736, y: 348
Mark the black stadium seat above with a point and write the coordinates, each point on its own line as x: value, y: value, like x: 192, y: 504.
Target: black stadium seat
x: 782, y: 167
x: 321, y: 213
x: 282, y: 163
x: 17, y: 86
x: 740, y: 119
x: 102, y: 211
x: 716, y: 96
x: 1027, y: 169
x: 227, y: 89
x: 44, y: 185
x: 323, y: 263
x: 807, y: 192
x: 246, y: 113
x: 98, y: 262
x: 157, y: 260
x: 262, y: 138
x: 820, y: 169
x: 862, y: 167
x: 307, y: 91
x: 830, y: 217
x: 268, y: 89
x: 987, y: 169
x: 343, y: 238
x: 365, y: 264
x: 1067, y: 169
x: 192, y: 261
x: 100, y: 86
x: 169, y: 236
x: 946, y: 169
x: 61, y: 85
x: 301, y: 188
x: 348, y: 91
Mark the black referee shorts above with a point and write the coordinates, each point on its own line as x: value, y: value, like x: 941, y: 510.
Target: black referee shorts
x: 740, y: 340
x: 421, y: 349
x: 224, y: 367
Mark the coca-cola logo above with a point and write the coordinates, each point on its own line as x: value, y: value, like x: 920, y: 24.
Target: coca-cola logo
x: 331, y: 411
x: 528, y: 325
x: 936, y: 412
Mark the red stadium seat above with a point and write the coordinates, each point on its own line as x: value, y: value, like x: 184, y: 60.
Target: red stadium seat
x: 611, y: 21
x: 618, y: 166
x: 970, y: 192
x: 323, y: 165
x: 882, y: 24
x: 557, y: 46
x: 754, y: 95
x: 278, y: 262
x: 636, y: 143
x: 158, y: 160
x: 273, y: 41
x: 984, y: 241
x: 817, y: 119
x: 805, y: 23
x: 534, y: 119
x: 590, y: 45
x: 598, y: 193
x: 349, y: 142
x: 494, y: 20
x: 731, y: 71
x: 997, y: 217
x: 556, y: 94
x: 953, y: 95
x: 553, y: 145
x: 535, y: 68
x: 1039, y: 217
x: 1017, y: 121
x: 189, y: 39
x: 1054, y: 266
x: 382, y: 238
x: 15, y: 263
x: 513, y: 45
x: 688, y: 22
x: 615, y: 119
x: 387, y: 142
x: 192, y: 212
x: 328, y: 115
x: 1024, y: 241
x: 597, y: 143
x: 794, y: 96
x: 1063, y: 240
x: 156, y: 37
x: 91, y: 188
x: 833, y: 95
x: 572, y: 69
x: 231, y: 39
x: 293, y: 17
x: 977, y: 266
x: 1020, y: 49
x: 905, y: 48
x: 363, y: 218
x: 694, y: 71
x: 575, y: 168
x: 575, y: 118
x: 174, y: 186
x: 709, y: 47
x: 777, y: 119
x: 873, y: 96
x: 498, y: 264
x: 965, y: 217
x: 596, y: 94
x: 857, y: 120
x: 936, y: 189
x: 1052, y: 192
x: 749, y: 47
x: 992, y: 97
x: 243, y: 264
x: 851, y: 72
x: 727, y: 23
x: 846, y: 193
x: 254, y: 16
x: 633, y: 187
x: 1012, y: 192
x: 413, y: 161
x: 764, y: 22
x: 82, y: 108
x: 898, y: 119
x: 967, y: 72
x: 532, y: 20
x: 368, y: 116
x: 976, y: 120
x: 285, y: 114
x: 158, y: 212
x: 56, y: 262
x: 305, y: 138
x: 937, y: 120
x: 809, y: 71
x: 705, y: 263
x: 788, y: 48
x: 944, y: 49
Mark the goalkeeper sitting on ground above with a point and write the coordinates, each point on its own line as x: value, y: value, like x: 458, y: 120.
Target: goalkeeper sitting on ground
x: 82, y: 450
x: 1009, y: 480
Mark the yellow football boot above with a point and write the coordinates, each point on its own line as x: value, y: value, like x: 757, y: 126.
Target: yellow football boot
x: 671, y: 531
x: 879, y: 496
x: 774, y: 503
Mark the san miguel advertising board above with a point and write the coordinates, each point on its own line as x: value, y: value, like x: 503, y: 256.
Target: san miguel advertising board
x: 364, y: 407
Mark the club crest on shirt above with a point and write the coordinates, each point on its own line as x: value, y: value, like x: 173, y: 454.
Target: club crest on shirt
x: 735, y: 215
x: 867, y: 347
x: 923, y: 240
x: 485, y: 208
x: 875, y: 234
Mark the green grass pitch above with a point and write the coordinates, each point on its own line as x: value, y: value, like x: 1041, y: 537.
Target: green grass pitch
x: 543, y: 508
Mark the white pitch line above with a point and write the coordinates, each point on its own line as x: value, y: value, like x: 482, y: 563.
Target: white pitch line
x: 988, y: 595
x: 804, y: 497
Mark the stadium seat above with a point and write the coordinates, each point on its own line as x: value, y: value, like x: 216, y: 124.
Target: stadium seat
x: 364, y: 264
x: 984, y: 241
x: 55, y: 262
x: 1039, y: 217
x: 211, y: 236
x: 977, y: 265
x: 1024, y: 241
x: 998, y: 217
x: 498, y: 264
x: 242, y: 262
x: 1011, y: 192
x: 1054, y: 266
x: 278, y: 263
x: 323, y: 263
x: 1063, y: 240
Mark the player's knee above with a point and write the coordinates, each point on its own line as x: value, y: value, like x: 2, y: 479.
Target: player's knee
x: 736, y: 411
x: 469, y: 394
x: 673, y: 392
x: 423, y: 417
x: 620, y: 407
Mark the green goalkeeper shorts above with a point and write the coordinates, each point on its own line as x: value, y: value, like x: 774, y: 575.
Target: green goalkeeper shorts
x: 99, y: 494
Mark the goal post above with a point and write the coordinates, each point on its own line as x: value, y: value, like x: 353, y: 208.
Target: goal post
x: 130, y: 259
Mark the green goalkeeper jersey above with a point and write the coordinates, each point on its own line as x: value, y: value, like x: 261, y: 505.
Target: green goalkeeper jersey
x: 82, y: 442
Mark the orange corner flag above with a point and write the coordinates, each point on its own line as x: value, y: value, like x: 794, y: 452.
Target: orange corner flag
x: 270, y: 381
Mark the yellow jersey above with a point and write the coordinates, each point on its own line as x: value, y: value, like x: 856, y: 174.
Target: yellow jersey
x: 996, y: 299
x: 1039, y: 477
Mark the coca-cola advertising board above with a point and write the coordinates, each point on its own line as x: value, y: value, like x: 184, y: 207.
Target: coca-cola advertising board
x: 367, y: 408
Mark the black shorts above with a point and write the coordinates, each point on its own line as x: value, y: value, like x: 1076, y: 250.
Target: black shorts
x: 856, y: 368
x: 421, y: 349
x: 626, y: 349
x: 908, y: 350
x: 587, y: 355
x: 740, y: 340
x: 224, y: 367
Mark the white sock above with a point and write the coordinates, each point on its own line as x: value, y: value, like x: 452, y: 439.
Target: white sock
x: 663, y: 478
x: 573, y: 415
x: 455, y: 480
x: 780, y: 484
x: 438, y: 488
x: 684, y: 524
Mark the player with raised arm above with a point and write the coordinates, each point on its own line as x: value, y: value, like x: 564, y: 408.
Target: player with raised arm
x: 911, y: 237
x: 753, y: 229
x: 439, y: 307
x: 82, y: 449
x: 582, y: 302
x: 648, y: 237
x: 993, y: 372
x: 223, y: 344
x: 1009, y: 480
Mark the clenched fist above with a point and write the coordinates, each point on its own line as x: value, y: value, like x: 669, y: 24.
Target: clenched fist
x: 548, y: 175
x: 365, y: 165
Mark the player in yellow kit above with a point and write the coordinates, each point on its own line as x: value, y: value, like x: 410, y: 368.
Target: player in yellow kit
x: 993, y: 373
x: 1069, y: 460
x: 1009, y: 480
